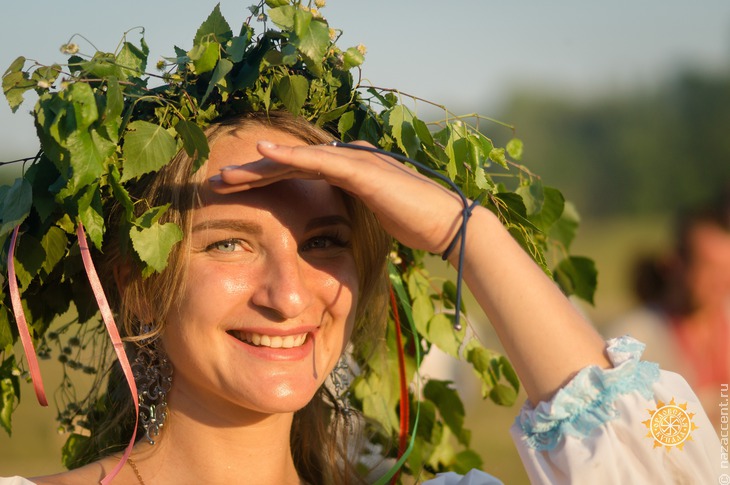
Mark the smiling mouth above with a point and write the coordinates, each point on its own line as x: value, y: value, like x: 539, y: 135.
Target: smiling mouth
x: 272, y: 341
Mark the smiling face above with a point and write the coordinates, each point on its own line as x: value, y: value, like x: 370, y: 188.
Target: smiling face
x: 270, y: 289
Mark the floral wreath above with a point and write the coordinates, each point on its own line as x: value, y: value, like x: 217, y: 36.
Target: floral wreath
x: 103, y: 121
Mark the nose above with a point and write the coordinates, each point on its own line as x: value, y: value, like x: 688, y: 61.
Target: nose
x: 284, y: 287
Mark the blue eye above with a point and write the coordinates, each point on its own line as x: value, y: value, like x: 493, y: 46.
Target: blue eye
x: 225, y: 246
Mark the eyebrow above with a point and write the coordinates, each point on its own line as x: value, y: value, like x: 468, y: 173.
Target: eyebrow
x: 229, y: 225
x: 325, y: 221
x: 254, y: 228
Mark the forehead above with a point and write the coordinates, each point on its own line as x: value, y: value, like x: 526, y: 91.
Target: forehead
x: 290, y: 201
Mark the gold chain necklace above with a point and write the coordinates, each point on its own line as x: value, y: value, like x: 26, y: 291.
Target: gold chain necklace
x: 136, y: 471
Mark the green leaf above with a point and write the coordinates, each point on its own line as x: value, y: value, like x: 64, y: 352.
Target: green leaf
x: 441, y: 332
x: 400, y: 120
x: 119, y: 191
x: 311, y: 37
x: 54, y: 244
x: 15, y: 66
x: 88, y: 151
x: 533, y: 196
x: 292, y: 91
x: 102, y: 65
x: 276, y: 3
x: 29, y: 259
x: 283, y: 16
x: 237, y: 48
x: 16, y: 205
x: 503, y: 395
x: 90, y: 213
x: 467, y: 460
x: 114, y: 108
x: 84, y: 104
x: 7, y: 390
x: 6, y: 333
x: 16, y: 83
x: 577, y: 275
x: 450, y: 407
x: 131, y: 60
x: 497, y: 156
x: 218, y: 79
x: 147, y: 147
x: 352, y: 57
x: 552, y: 208
x: 74, y: 446
x: 153, y: 244
x: 205, y: 57
x: 514, y: 148
x: 215, y: 28
x: 565, y: 229
x: 194, y: 142
x: 345, y: 124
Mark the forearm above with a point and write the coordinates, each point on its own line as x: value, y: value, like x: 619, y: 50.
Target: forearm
x: 544, y: 336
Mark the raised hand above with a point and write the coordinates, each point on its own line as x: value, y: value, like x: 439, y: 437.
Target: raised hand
x: 415, y: 210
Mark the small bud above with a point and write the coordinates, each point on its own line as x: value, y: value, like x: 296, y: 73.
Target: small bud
x: 333, y: 34
x: 70, y: 48
x: 261, y: 18
x: 315, y: 13
x: 395, y: 258
x: 362, y: 49
x: 160, y: 65
x: 44, y: 84
x: 320, y: 3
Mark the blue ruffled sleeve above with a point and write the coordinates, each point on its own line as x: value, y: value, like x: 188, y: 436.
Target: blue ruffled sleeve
x: 597, y: 429
x: 587, y: 401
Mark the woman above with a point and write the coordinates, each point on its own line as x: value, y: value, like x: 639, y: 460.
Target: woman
x: 282, y: 264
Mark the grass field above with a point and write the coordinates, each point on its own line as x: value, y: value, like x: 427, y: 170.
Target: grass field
x: 35, y: 446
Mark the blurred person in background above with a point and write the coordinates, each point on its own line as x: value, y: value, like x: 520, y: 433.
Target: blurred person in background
x: 684, y: 311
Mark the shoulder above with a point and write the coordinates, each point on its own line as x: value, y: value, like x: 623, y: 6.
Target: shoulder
x: 91, y: 474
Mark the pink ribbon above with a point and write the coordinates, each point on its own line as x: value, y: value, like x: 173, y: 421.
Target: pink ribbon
x: 111, y: 327
x: 22, y: 323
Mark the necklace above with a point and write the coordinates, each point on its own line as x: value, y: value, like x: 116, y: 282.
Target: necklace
x: 136, y: 471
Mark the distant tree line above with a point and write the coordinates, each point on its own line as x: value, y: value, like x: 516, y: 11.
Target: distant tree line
x: 648, y: 152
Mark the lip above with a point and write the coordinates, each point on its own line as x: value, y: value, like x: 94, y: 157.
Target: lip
x: 277, y: 354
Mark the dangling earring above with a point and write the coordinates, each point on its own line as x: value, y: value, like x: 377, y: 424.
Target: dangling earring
x: 340, y: 376
x: 153, y: 375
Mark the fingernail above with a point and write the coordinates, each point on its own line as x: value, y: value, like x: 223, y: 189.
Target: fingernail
x: 230, y: 167
x: 266, y: 144
x: 215, y: 178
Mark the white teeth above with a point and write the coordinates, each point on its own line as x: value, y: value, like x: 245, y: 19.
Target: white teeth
x: 272, y: 341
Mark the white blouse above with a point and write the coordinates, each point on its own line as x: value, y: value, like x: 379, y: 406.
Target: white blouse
x: 630, y: 424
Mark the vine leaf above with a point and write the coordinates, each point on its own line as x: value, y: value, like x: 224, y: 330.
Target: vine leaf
x: 147, y: 147
x: 6, y: 334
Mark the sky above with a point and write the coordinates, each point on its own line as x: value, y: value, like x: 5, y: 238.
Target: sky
x: 467, y: 54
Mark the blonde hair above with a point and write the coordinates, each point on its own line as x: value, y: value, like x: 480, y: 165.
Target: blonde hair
x: 319, y: 442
